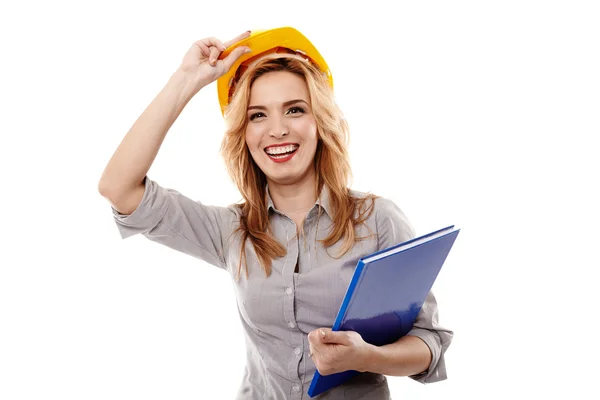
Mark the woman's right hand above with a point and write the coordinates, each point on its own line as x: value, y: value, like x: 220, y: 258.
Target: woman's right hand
x: 202, y: 62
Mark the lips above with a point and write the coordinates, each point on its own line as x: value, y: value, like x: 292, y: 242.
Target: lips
x: 282, y: 152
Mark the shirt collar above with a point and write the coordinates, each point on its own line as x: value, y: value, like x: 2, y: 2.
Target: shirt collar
x: 322, y: 200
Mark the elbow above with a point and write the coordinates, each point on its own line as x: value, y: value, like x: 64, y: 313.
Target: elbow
x: 107, y: 189
x: 124, y: 200
x: 103, y: 188
x: 109, y: 193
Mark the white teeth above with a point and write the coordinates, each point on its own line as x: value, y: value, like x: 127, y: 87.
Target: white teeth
x: 281, y: 150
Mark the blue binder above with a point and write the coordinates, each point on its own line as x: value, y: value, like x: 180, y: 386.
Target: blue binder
x: 386, y: 293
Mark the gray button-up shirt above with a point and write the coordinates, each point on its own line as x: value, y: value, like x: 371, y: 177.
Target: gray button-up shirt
x: 278, y: 312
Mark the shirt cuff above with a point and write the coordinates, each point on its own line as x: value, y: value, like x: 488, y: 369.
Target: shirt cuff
x: 148, y: 214
x: 437, y: 369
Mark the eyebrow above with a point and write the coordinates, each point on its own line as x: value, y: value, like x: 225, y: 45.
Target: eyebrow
x: 285, y: 104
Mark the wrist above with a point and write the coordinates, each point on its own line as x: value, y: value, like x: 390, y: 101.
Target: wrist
x: 186, y: 83
x: 370, y: 359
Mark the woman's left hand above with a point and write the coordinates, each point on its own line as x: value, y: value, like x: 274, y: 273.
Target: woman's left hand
x: 334, y: 352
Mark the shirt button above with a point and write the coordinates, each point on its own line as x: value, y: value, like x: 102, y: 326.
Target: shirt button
x: 291, y: 324
x: 288, y: 290
x: 296, y: 388
x: 297, y: 351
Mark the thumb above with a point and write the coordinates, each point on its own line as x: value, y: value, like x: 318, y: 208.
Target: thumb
x: 234, y: 55
x: 329, y: 336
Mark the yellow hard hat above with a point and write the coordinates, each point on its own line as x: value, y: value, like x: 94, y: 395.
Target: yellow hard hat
x: 262, y: 42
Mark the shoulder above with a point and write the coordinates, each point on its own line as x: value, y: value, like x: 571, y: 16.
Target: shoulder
x: 389, y: 213
x: 383, y: 207
x: 392, y: 224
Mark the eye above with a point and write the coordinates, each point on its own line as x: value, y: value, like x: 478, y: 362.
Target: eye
x: 296, y: 110
x: 256, y: 115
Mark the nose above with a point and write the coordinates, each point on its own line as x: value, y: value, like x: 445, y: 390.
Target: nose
x: 278, y: 128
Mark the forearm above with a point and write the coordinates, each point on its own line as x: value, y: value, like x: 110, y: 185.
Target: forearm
x: 405, y: 357
x: 138, y: 149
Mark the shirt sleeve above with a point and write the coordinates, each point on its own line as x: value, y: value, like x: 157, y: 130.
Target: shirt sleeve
x: 167, y: 217
x: 393, y: 228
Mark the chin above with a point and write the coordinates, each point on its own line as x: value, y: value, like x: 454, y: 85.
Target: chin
x: 288, y: 178
x: 283, y: 179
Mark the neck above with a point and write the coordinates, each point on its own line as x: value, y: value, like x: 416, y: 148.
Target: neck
x: 294, y: 199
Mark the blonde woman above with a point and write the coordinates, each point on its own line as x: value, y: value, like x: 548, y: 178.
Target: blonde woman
x: 292, y: 244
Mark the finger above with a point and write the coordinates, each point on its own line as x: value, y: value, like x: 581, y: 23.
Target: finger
x: 236, y: 39
x: 214, y: 55
x: 314, y: 337
x: 235, y: 54
x: 314, y: 341
x: 204, y: 48
x: 315, y: 352
x: 213, y: 41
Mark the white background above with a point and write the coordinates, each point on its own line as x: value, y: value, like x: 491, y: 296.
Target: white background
x: 475, y: 113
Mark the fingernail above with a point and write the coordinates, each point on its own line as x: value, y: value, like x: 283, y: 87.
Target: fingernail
x: 322, y: 333
x: 248, y: 50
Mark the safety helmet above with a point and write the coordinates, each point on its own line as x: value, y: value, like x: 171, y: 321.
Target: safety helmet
x: 263, y: 42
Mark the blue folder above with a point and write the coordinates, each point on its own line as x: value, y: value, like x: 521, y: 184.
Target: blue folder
x: 386, y: 293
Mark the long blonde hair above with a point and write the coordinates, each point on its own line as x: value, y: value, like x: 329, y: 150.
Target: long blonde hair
x: 331, y: 163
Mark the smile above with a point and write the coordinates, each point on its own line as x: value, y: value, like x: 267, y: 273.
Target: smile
x: 281, y: 153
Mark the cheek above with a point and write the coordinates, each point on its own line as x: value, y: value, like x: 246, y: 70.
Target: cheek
x: 253, y: 136
x: 312, y: 136
x: 308, y: 130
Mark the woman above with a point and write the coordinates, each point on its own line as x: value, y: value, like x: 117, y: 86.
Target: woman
x: 292, y: 245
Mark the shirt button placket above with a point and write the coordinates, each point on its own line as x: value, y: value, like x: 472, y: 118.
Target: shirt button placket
x: 296, y: 342
x: 291, y: 324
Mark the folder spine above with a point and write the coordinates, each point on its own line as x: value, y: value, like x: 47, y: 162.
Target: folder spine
x: 358, y: 275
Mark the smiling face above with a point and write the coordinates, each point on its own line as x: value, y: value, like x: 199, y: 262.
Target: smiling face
x: 281, y: 133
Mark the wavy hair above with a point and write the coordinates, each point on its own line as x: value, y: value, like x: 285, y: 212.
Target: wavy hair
x: 331, y: 163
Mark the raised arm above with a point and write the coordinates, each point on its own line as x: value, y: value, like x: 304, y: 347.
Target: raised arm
x: 122, y: 182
